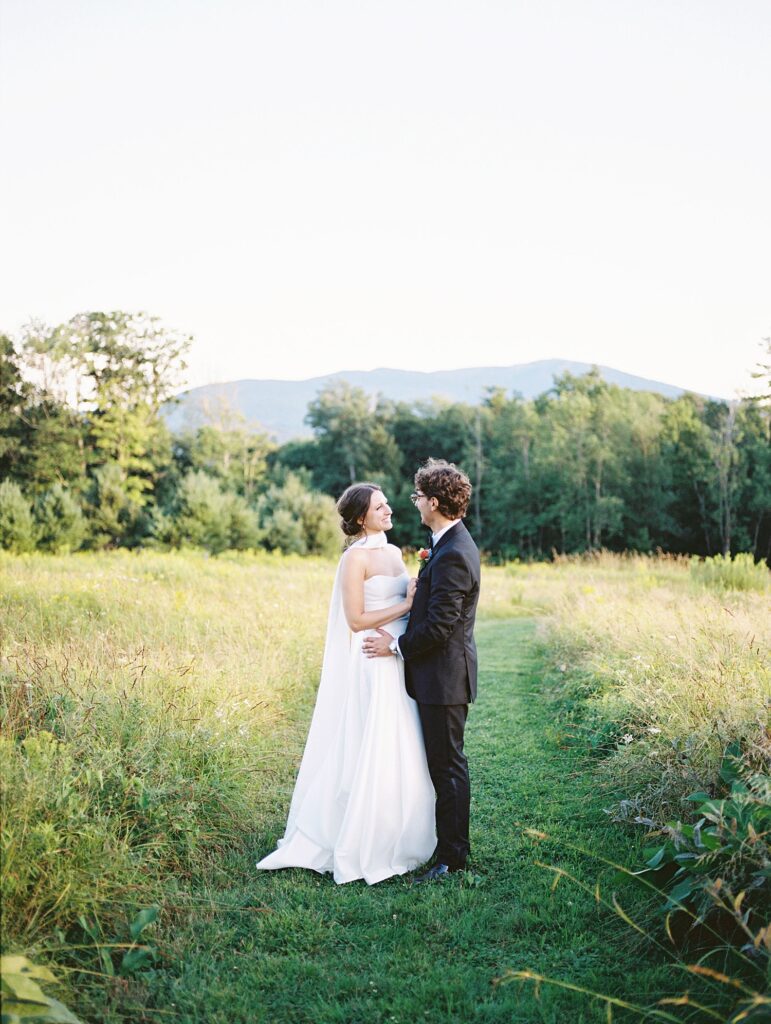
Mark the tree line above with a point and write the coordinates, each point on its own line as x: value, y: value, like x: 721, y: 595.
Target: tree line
x: 87, y: 460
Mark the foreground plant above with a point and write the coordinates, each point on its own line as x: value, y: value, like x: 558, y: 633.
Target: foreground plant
x: 727, y: 998
x: 24, y: 999
x: 720, y: 866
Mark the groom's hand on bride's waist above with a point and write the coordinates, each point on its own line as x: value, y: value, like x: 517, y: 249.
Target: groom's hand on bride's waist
x: 378, y: 646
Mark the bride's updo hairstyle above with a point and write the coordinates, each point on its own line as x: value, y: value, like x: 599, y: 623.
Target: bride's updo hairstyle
x: 353, y: 505
x: 448, y: 484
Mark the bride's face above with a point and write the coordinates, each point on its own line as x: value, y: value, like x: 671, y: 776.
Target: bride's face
x: 378, y: 515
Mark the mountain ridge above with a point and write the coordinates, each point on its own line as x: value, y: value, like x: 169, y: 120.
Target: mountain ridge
x: 279, y: 406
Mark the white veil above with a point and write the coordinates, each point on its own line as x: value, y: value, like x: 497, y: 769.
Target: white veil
x: 333, y: 687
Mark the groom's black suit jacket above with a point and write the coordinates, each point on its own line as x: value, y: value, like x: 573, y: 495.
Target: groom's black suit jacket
x: 440, y: 656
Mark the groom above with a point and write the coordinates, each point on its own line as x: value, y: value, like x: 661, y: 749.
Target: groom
x: 440, y: 658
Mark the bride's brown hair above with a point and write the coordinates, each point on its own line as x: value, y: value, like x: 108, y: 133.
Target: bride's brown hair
x: 353, y: 505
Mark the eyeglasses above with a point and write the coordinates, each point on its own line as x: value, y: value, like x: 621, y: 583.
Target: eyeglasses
x: 416, y: 495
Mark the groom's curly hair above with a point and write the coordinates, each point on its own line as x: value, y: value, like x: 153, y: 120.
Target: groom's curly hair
x: 448, y: 484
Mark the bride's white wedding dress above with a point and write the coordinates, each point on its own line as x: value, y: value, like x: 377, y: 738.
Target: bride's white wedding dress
x: 363, y: 803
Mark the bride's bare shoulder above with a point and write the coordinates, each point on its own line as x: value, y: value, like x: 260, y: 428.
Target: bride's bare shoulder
x: 395, y: 554
x: 354, y: 559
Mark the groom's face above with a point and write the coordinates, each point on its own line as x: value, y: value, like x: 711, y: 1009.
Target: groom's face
x: 426, y: 507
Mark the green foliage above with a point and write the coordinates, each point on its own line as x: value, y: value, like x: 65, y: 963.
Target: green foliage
x: 154, y: 709
x: 725, y: 573
x: 132, y: 365
x: 12, y: 394
x: 134, y: 727
x: 590, y: 433
x: 243, y: 525
x: 762, y: 372
x: 72, y: 833
x: 60, y: 522
x: 202, y: 519
x: 353, y: 439
x: 111, y: 510
x: 127, y: 809
x: 297, y: 520
x: 668, y: 685
x: 211, y: 518
x: 51, y: 446
x: 235, y: 456
x: 24, y: 999
x: 122, y: 954
x: 105, y: 378
x: 17, y: 526
x: 718, y: 867
x: 139, y: 956
x: 584, y: 467
x: 658, y: 676
x: 341, y: 415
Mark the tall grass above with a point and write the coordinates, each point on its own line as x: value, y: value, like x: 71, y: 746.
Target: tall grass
x: 659, y: 672
x: 726, y: 573
x: 143, y: 700
x: 148, y: 702
x: 667, y: 678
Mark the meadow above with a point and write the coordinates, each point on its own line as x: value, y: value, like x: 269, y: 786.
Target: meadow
x: 154, y: 709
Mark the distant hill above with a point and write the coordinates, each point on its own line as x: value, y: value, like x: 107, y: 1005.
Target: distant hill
x: 279, y: 406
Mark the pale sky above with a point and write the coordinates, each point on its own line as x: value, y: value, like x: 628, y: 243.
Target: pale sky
x: 316, y: 186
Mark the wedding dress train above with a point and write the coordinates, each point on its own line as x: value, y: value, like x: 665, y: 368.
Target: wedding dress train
x: 363, y: 804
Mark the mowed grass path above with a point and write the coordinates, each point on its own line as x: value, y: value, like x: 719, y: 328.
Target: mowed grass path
x: 294, y: 947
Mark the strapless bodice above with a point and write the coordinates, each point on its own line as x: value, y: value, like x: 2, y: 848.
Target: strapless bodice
x: 381, y: 592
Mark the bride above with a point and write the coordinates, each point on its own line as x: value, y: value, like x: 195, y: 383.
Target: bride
x: 363, y: 803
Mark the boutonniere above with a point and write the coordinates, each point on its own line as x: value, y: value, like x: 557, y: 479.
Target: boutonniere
x: 424, y: 556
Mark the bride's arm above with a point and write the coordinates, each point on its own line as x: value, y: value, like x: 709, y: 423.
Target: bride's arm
x: 352, y: 581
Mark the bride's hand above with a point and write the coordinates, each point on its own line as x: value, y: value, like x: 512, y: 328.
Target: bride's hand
x: 412, y: 586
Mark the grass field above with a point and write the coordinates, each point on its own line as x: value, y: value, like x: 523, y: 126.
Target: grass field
x: 154, y: 711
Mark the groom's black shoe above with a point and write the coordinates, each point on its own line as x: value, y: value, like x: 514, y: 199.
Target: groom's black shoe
x: 435, y: 873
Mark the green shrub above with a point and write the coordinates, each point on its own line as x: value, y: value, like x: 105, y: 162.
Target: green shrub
x: 61, y: 526
x: 243, y: 526
x: 112, y: 511
x: 17, y: 526
x: 718, y: 867
x: 725, y: 573
x: 203, y: 518
x: 297, y: 520
x: 208, y: 517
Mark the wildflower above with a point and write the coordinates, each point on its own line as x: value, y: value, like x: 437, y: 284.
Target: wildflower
x: 627, y: 737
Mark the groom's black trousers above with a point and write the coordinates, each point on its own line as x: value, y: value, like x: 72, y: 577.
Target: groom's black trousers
x: 443, y: 726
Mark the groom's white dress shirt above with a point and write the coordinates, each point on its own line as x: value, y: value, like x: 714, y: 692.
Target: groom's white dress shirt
x: 440, y: 533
